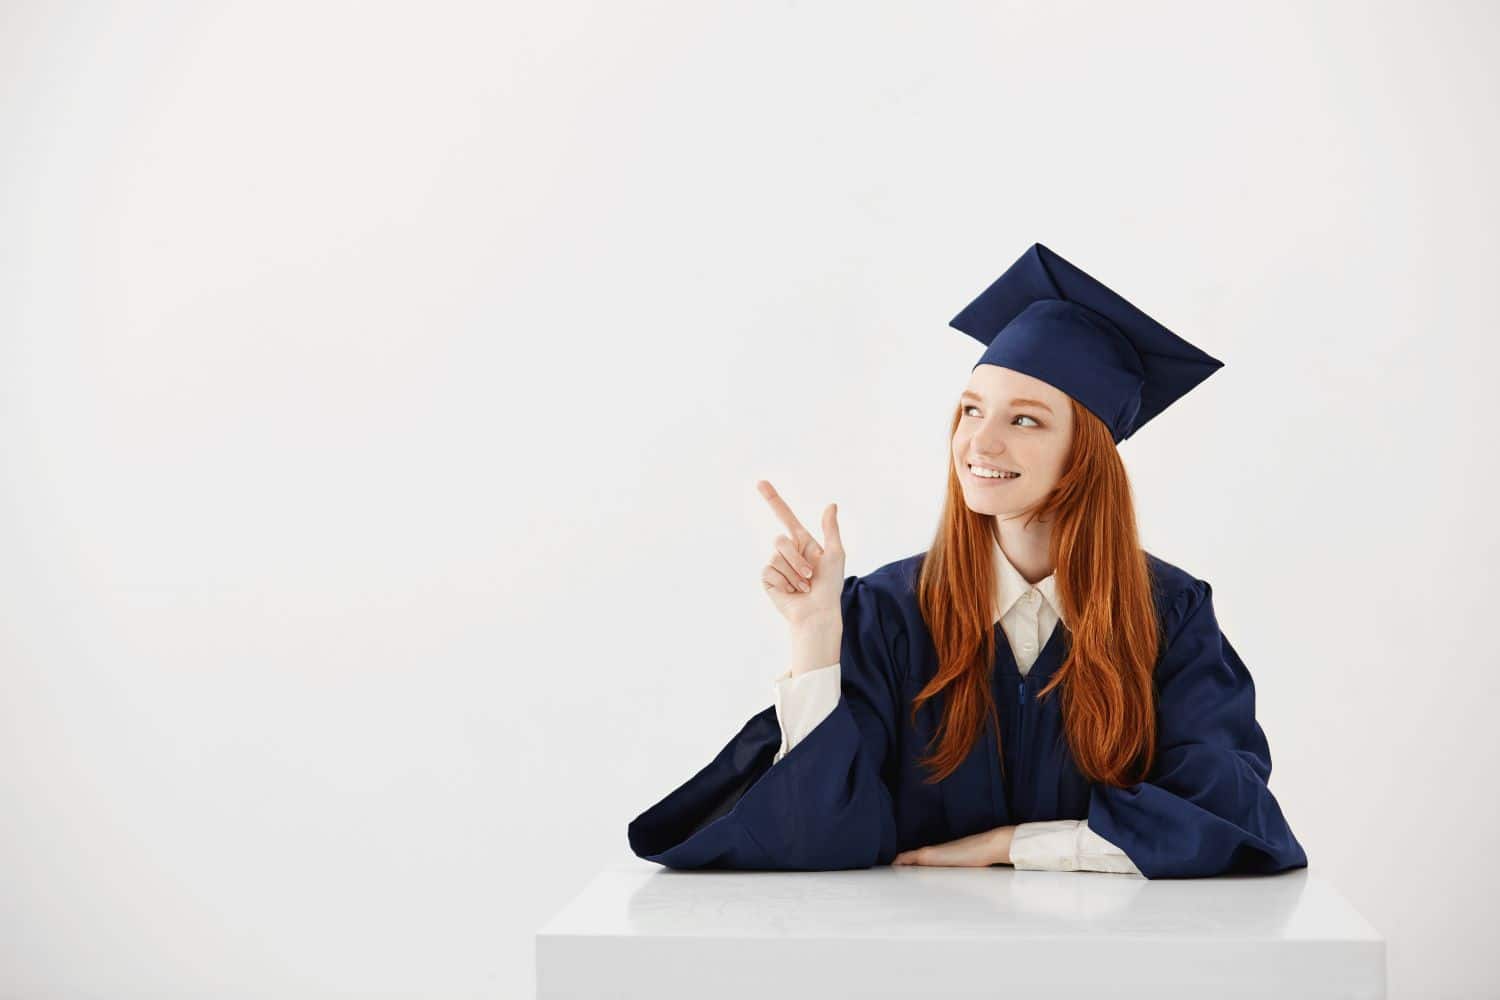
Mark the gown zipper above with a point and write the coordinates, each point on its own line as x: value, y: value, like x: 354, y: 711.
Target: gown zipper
x: 1020, y: 736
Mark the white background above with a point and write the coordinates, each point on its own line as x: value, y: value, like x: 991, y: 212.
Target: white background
x: 382, y: 390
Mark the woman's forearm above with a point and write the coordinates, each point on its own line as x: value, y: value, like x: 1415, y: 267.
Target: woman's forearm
x: 815, y: 646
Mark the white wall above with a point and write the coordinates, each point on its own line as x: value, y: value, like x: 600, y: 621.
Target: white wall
x: 382, y: 391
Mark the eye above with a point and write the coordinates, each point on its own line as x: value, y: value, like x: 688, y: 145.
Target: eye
x: 1019, y: 416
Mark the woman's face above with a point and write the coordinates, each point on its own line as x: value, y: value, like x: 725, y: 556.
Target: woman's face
x: 1016, y: 423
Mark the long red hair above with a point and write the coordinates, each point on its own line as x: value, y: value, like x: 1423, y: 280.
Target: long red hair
x: 1104, y: 587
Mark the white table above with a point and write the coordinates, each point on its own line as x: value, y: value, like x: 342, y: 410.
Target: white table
x: 640, y: 930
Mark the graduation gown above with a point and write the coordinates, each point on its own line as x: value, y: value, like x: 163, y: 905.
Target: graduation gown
x: 851, y: 794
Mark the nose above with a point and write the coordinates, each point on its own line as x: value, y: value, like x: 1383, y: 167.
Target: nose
x: 989, y: 443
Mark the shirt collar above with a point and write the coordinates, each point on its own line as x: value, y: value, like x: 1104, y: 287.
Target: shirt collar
x: 1010, y: 585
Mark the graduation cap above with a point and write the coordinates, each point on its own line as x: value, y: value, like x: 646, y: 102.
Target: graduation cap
x: 1048, y: 319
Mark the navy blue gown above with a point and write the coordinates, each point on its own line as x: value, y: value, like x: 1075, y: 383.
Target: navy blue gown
x: 850, y: 794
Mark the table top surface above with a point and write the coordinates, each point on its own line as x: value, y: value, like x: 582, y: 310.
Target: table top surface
x: 635, y: 898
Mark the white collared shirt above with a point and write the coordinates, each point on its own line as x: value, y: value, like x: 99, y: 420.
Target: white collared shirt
x: 1027, y: 614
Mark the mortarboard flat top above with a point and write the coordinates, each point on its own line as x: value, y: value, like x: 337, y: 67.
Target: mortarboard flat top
x: 1046, y: 318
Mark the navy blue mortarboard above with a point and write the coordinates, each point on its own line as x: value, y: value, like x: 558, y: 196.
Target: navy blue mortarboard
x: 1048, y: 319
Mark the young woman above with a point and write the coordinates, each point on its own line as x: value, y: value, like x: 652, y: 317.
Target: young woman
x: 1035, y: 689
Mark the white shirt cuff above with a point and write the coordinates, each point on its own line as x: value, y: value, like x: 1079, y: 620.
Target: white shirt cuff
x: 802, y: 702
x: 1066, y: 845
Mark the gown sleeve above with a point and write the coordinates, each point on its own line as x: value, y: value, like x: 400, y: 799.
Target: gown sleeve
x: 825, y: 805
x: 1204, y: 808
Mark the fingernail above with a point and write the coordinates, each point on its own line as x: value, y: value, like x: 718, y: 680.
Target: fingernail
x: 806, y: 572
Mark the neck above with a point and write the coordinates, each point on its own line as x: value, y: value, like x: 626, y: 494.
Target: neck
x: 1028, y: 547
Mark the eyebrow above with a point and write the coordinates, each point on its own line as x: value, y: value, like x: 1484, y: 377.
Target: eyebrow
x: 1018, y: 401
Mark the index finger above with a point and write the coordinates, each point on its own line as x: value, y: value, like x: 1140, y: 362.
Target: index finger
x: 783, y: 512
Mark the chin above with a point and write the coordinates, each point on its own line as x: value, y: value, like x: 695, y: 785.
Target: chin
x: 993, y: 506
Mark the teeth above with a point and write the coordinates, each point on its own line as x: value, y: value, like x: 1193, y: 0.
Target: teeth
x: 987, y: 474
